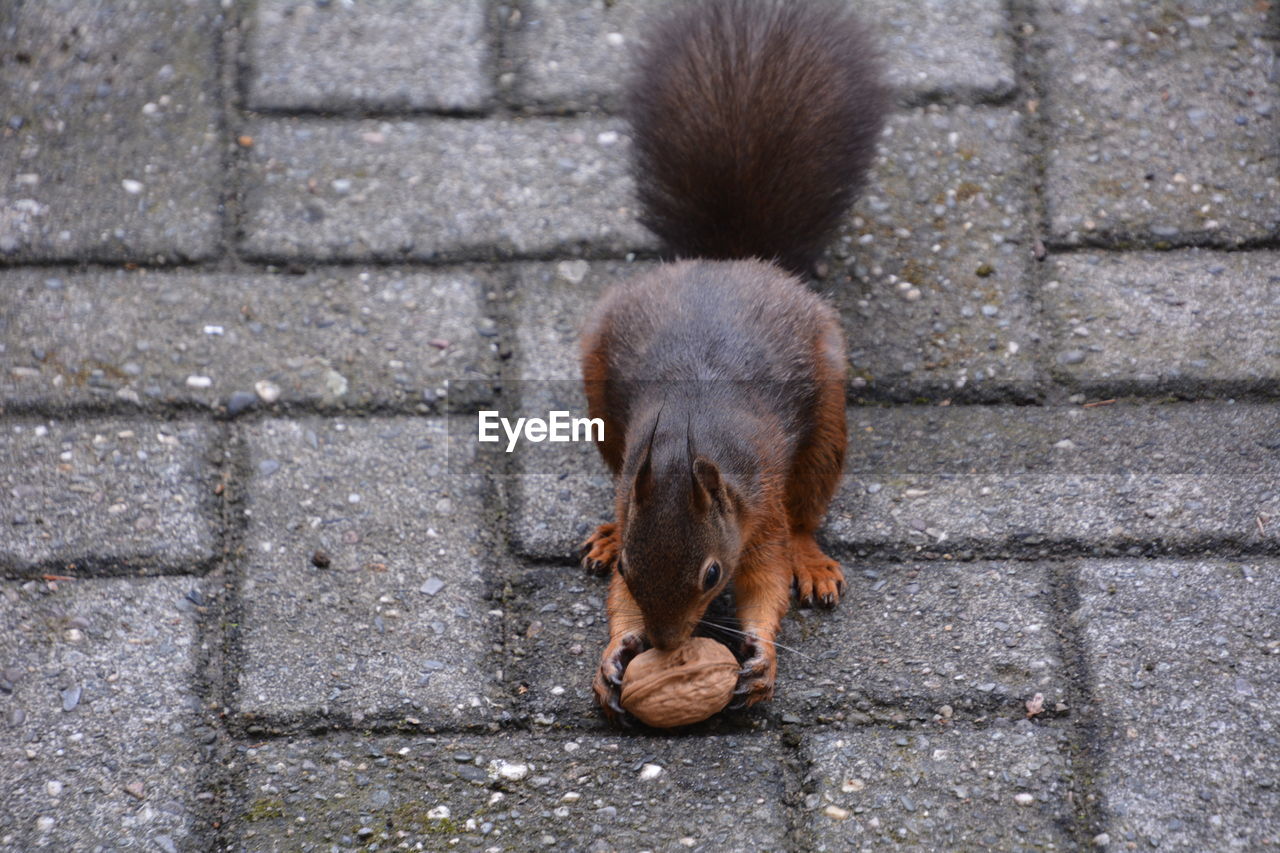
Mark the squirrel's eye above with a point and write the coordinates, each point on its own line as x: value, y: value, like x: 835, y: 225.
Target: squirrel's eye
x: 712, y: 576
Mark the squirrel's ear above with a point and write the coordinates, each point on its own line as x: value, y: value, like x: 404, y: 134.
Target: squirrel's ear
x: 642, y: 486
x: 707, y: 475
x: 709, y: 488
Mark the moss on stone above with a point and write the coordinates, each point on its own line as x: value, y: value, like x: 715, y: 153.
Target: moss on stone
x: 264, y: 808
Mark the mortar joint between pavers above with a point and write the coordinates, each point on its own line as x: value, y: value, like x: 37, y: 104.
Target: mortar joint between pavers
x: 1086, y: 744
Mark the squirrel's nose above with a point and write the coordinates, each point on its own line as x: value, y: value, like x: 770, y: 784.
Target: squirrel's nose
x: 666, y: 637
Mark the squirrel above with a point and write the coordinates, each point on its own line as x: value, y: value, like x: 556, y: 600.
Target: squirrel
x: 720, y: 376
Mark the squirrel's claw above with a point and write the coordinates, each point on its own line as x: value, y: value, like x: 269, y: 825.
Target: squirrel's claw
x: 608, y: 681
x: 815, y: 576
x: 598, y: 554
x: 756, y: 677
x: 832, y: 597
x: 620, y: 715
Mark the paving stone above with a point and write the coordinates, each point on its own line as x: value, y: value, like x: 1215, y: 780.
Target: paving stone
x: 439, y: 189
x: 1163, y: 122
x: 1102, y: 480
x: 575, y: 54
x: 101, y: 701
x: 365, y: 575
x: 372, y: 586
x: 107, y: 496
x: 1173, y: 322
x: 110, y: 131
x: 405, y: 54
x: 1003, y: 787
x: 941, y: 49
x: 978, y: 637
x: 932, y: 275
x: 1185, y: 660
x: 331, y: 338
x: 514, y: 791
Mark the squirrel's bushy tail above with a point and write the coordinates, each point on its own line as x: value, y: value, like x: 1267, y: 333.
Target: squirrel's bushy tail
x: 754, y: 124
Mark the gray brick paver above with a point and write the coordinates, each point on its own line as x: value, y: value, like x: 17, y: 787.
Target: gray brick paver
x: 555, y: 483
x: 943, y: 48
x: 130, y: 648
x: 978, y: 637
x: 329, y: 338
x: 1161, y: 122
x: 932, y: 274
x: 387, y: 55
x: 1184, y: 656
x: 557, y: 630
x: 1180, y: 322
x: 108, y: 495
x: 975, y: 480
x: 434, y: 189
x: 393, y: 623
x: 1002, y: 787
x: 574, y: 54
x: 110, y: 148
x: 1104, y: 479
x: 975, y: 636
x: 515, y: 791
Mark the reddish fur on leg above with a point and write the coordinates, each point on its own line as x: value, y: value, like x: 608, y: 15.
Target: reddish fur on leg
x: 626, y: 640
x: 816, y: 474
x: 763, y: 591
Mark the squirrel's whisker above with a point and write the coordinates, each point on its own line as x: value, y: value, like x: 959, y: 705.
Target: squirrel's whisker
x: 759, y: 639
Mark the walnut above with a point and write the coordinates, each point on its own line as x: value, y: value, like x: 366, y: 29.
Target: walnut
x: 665, y: 689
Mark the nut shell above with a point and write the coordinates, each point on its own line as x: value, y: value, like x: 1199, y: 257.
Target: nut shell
x: 665, y: 689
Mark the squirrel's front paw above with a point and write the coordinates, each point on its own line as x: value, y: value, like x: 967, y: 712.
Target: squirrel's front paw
x: 600, y: 551
x: 608, y: 680
x: 757, y: 675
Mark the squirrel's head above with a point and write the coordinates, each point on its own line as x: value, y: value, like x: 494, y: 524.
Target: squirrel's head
x: 681, y: 522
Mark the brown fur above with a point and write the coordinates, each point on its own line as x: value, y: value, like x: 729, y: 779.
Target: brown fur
x: 754, y: 123
x: 721, y: 382
x: 726, y: 381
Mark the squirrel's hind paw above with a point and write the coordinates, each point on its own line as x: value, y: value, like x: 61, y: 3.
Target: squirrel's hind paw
x: 599, y: 553
x: 817, y: 576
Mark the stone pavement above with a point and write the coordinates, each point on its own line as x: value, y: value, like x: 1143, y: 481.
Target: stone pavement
x: 260, y: 259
